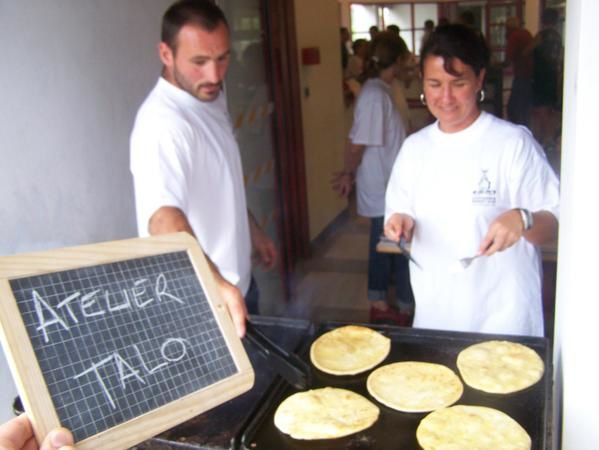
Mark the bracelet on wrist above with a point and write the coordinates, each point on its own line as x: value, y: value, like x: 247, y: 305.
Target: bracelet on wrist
x: 527, y: 218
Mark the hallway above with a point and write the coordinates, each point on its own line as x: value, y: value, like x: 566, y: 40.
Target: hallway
x: 331, y: 285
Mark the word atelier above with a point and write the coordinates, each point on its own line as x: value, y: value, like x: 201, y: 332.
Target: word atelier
x: 98, y: 303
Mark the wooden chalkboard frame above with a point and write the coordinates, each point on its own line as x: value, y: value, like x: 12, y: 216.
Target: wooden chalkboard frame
x: 28, y: 375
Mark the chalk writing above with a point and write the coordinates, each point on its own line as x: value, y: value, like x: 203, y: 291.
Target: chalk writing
x: 98, y: 302
x: 172, y: 350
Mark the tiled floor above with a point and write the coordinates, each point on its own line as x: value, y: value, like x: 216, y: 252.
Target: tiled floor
x: 331, y: 285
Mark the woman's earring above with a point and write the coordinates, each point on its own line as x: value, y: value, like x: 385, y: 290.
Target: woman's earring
x: 482, y: 96
x: 422, y: 99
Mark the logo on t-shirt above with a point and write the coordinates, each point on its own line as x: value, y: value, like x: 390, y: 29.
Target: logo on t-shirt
x: 483, y: 194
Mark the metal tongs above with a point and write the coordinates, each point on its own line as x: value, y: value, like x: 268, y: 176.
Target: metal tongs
x: 288, y: 365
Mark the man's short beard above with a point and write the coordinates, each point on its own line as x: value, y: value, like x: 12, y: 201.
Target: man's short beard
x: 190, y: 89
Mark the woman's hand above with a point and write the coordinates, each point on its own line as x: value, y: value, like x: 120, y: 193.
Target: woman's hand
x: 399, y: 225
x: 342, y: 183
x: 503, y: 232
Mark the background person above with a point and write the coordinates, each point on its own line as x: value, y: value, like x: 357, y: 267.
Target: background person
x: 345, y: 43
x: 17, y: 434
x: 518, y: 40
x: 375, y: 138
x: 354, y: 72
x: 429, y: 27
x: 547, y: 54
x: 373, y: 31
x: 471, y: 184
x: 355, y: 64
x: 185, y: 160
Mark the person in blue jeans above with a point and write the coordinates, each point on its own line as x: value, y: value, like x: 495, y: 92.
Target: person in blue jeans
x: 375, y: 138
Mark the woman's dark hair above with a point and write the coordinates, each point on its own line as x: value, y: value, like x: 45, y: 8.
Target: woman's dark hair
x: 202, y: 13
x: 456, y: 41
x: 357, y: 44
x: 549, y: 17
x: 385, y: 49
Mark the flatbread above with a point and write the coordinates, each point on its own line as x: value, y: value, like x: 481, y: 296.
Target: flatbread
x: 349, y: 350
x: 415, y: 386
x: 325, y: 413
x: 463, y: 427
x: 500, y: 367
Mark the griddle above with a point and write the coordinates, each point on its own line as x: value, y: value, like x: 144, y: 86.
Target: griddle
x: 396, y: 430
x: 221, y: 428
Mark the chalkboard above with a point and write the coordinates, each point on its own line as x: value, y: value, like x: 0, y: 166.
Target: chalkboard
x: 123, y: 340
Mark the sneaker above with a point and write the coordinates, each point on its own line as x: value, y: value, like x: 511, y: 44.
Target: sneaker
x: 389, y: 316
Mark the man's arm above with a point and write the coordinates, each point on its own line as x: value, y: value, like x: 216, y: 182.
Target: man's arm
x: 168, y: 219
x: 17, y: 434
x: 263, y: 246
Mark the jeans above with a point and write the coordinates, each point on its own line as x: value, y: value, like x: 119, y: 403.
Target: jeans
x: 251, y: 298
x: 381, y: 268
x: 519, y: 103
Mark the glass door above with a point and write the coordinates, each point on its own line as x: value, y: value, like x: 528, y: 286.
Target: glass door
x: 252, y: 109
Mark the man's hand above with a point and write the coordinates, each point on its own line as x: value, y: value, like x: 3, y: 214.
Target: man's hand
x: 235, y: 302
x: 264, y: 249
x: 342, y: 183
x: 503, y: 232
x: 232, y: 297
x: 17, y: 434
x: 399, y: 225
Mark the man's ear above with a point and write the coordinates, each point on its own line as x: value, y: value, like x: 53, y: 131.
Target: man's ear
x: 166, y: 54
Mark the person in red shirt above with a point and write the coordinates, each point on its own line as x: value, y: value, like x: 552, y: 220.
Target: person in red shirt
x: 519, y: 103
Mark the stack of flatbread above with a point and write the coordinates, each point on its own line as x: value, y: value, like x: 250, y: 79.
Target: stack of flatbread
x: 349, y: 350
x: 325, y: 413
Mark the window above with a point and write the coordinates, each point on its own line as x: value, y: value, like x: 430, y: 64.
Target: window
x: 362, y: 18
x: 409, y: 17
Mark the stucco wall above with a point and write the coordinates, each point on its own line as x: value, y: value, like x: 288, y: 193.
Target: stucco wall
x: 323, y: 112
x: 73, y: 76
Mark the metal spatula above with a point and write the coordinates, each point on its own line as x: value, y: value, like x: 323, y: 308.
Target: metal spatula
x: 406, y: 251
x: 465, y: 262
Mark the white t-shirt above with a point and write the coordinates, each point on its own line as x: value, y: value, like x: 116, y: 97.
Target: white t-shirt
x: 454, y: 185
x: 377, y: 125
x: 184, y: 154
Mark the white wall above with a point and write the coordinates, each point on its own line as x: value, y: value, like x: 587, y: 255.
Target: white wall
x: 323, y: 113
x: 73, y: 74
x: 577, y: 313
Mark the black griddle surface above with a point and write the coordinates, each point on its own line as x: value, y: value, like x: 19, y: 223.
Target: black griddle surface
x: 221, y: 428
x: 395, y: 430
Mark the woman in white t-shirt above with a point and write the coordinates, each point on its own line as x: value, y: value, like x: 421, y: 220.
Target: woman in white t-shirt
x: 375, y: 139
x: 469, y: 185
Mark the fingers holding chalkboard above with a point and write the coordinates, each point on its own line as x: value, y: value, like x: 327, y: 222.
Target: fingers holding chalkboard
x: 58, y: 439
x: 17, y: 434
x: 232, y: 297
x: 235, y: 304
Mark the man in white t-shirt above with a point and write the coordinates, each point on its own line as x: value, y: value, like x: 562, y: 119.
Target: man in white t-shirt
x: 185, y: 160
